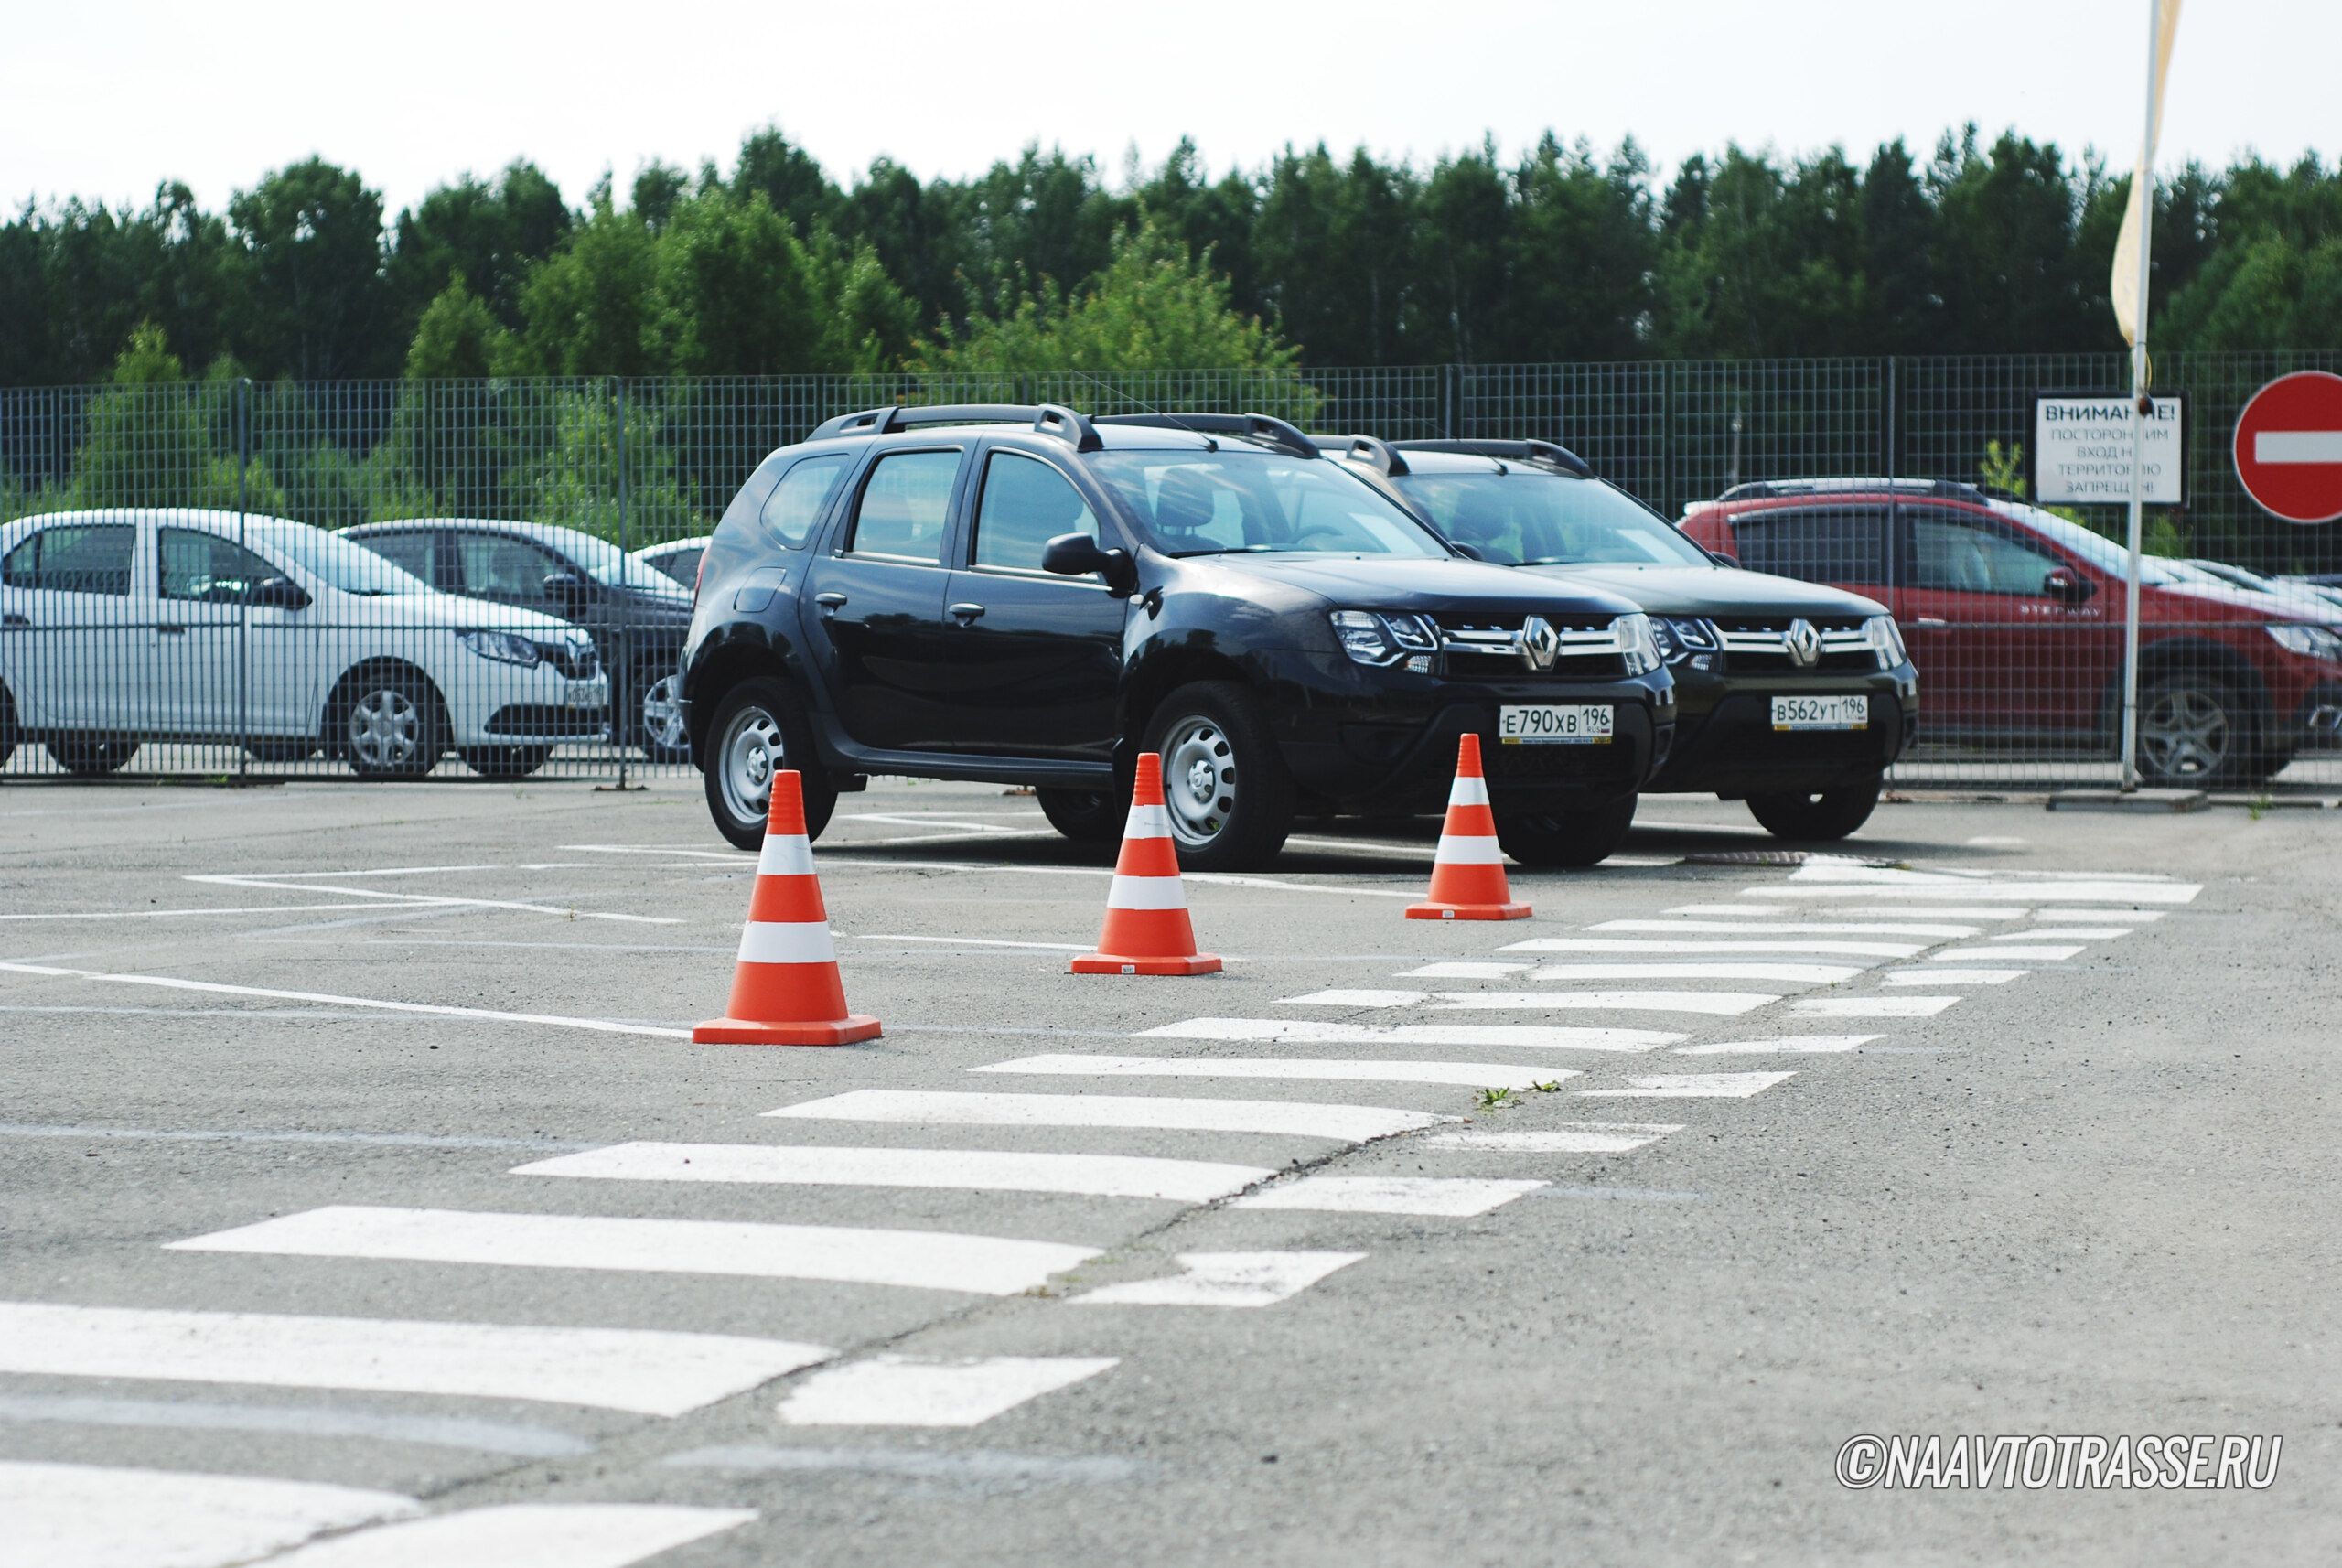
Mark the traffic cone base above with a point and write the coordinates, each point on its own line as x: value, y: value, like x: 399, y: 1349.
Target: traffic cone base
x: 1468, y: 880
x: 785, y: 990
x: 1147, y: 931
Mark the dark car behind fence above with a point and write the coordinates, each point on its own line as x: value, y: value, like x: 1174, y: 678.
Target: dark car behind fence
x: 175, y: 625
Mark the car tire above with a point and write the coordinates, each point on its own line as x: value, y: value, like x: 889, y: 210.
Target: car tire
x: 8, y: 726
x: 759, y: 728
x: 1817, y: 816
x: 1565, y: 837
x: 1086, y: 816
x: 660, y: 729
x: 91, y: 755
x: 386, y: 724
x: 283, y: 749
x: 2194, y: 733
x: 1231, y: 798
x: 505, y: 761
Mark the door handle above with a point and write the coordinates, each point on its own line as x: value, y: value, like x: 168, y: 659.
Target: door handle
x: 964, y: 614
x: 830, y: 603
x: 1930, y: 621
x: 172, y: 630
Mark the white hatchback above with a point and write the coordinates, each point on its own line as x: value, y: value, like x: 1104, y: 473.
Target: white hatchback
x: 128, y: 625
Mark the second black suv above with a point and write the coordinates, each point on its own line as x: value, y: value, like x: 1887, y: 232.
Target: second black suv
x: 1025, y: 596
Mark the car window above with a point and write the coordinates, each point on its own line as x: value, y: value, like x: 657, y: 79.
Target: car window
x: 796, y: 503
x: 1963, y: 557
x: 680, y: 564
x: 1026, y: 503
x: 498, y: 566
x: 408, y: 552
x: 73, y: 558
x: 208, y: 569
x: 1213, y: 503
x: 1823, y: 544
x: 903, y: 506
x: 1527, y: 517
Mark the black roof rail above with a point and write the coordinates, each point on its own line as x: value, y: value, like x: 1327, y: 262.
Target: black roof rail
x: 1265, y: 429
x: 1374, y: 453
x: 1048, y: 418
x: 1945, y: 490
x: 1545, y: 454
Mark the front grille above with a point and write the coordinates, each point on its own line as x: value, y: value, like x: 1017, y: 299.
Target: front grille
x: 545, y: 721
x: 1760, y: 645
x: 577, y: 661
x: 1486, y: 646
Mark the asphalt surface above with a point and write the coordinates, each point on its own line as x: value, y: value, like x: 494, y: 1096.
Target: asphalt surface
x: 2092, y: 1195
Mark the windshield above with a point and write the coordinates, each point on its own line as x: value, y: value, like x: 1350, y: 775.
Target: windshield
x: 611, y: 566
x: 1530, y: 519
x: 2095, y: 548
x: 1219, y: 503
x: 331, y: 559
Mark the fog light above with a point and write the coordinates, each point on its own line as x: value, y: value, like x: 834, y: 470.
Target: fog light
x: 1419, y: 664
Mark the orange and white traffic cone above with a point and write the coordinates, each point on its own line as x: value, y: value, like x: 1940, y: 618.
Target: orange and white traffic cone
x: 785, y: 989
x: 1467, y: 881
x: 1147, y: 931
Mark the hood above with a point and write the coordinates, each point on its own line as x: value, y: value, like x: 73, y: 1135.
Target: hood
x: 2252, y: 601
x: 1714, y: 591
x: 1402, y: 582
x: 434, y: 609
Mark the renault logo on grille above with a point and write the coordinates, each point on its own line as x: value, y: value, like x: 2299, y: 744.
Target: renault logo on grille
x: 1539, y: 643
x: 1804, y: 644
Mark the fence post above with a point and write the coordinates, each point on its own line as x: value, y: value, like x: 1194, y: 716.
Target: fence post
x: 242, y: 425
x: 1666, y: 442
x: 621, y: 694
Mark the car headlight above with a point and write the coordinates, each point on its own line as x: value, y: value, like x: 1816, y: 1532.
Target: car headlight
x: 1885, y: 640
x: 1374, y: 637
x: 505, y: 647
x: 1681, y: 638
x: 2310, y: 641
x: 1636, y: 643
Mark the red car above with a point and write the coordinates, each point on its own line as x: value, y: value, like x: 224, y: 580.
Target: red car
x: 2013, y: 616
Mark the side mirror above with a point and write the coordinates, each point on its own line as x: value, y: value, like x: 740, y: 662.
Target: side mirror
x: 280, y: 593
x: 2067, y: 586
x: 1721, y: 559
x: 1470, y: 553
x: 564, y: 587
x: 1078, y: 555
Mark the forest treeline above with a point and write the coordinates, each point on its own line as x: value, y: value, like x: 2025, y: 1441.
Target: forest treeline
x: 1558, y: 253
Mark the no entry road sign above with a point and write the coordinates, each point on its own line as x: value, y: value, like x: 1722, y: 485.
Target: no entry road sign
x: 2289, y: 447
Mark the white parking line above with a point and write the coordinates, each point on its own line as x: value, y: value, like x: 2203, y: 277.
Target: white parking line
x: 85, y: 1516
x: 2109, y: 892
x: 2004, y: 954
x: 431, y: 900
x: 1719, y: 1003
x: 1450, y: 1197
x: 1570, y: 1138
x: 599, y: 1025
x: 1345, y: 1124
x: 1226, y: 1279
x: 970, y: 1170
x: 1787, y: 973
x: 1874, y: 1006
x: 1691, y: 1085
x: 1952, y: 977
x: 1810, y: 928
x: 1453, y: 1075
x: 967, y: 941
x: 1656, y: 945
x: 1785, y: 1044
x: 1313, y: 1032
x: 645, y: 1372
x: 916, y: 1259
x: 184, y: 914
x: 910, y: 1391
x: 524, y: 1535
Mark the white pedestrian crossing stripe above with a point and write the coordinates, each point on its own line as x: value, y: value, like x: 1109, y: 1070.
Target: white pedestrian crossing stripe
x: 919, y: 1260
x: 1469, y: 969
x: 915, y: 1391
x: 2032, y: 951
x: 524, y: 1535
x: 1458, y: 1075
x: 1453, y: 1198
x: 1786, y: 974
x: 1569, y: 1138
x: 646, y: 1371
x: 1225, y: 1279
x: 1691, y: 1085
x: 1702, y: 945
x: 1314, y: 1032
x: 1785, y: 1044
x: 1952, y: 977
x: 1874, y: 1006
x: 971, y: 1170
x: 1718, y: 1004
x: 89, y: 1516
x: 2056, y: 933
x: 1345, y: 1124
x: 1785, y: 928
x: 1353, y: 999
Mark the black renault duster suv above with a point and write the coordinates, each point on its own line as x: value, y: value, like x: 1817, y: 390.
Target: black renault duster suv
x: 1025, y: 596
x: 1794, y: 696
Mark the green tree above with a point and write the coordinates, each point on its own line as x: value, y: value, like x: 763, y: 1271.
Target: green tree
x: 319, y: 299
x: 585, y: 309
x: 487, y: 234
x: 458, y: 337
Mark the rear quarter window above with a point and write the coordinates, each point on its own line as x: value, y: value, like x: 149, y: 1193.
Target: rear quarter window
x: 1815, y: 545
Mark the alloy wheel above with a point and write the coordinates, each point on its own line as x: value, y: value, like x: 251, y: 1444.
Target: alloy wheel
x: 2185, y: 734
x: 662, y: 715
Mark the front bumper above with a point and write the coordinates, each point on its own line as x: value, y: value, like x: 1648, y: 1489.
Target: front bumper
x: 1725, y: 743
x: 529, y: 707
x: 1381, y: 741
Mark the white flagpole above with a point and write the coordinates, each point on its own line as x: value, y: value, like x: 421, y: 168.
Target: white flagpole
x: 2141, y: 409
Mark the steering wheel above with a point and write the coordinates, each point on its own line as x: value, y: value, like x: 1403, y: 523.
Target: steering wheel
x: 1308, y: 529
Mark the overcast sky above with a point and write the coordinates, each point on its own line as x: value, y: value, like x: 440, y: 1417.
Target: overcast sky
x: 107, y: 99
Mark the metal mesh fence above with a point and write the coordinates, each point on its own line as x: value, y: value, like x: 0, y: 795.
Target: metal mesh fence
x: 153, y: 540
